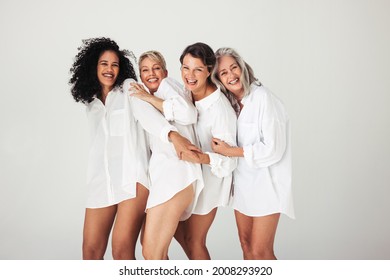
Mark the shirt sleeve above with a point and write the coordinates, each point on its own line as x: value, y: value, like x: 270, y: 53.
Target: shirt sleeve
x: 177, y: 105
x: 224, y: 128
x: 273, y: 127
x: 150, y: 119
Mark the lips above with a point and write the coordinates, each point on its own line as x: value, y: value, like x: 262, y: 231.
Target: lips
x: 152, y: 80
x: 108, y: 75
x: 235, y: 81
x: 191, y: 82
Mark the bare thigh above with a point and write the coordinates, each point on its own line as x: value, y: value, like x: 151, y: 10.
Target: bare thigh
x: 161, y: 224
x: 244, y: 227
x: 129, y: 219
x: 197, y: 226
x: 263, y: 235
x: 257, y: 235
x: 97, y: 227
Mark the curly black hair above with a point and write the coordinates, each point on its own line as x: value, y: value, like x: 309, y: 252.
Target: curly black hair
x: 84, y: 80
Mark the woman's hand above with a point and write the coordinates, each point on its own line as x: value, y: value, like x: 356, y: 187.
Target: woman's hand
x: 219, y: 146
x: 139, y: 91
x: 183, y: 145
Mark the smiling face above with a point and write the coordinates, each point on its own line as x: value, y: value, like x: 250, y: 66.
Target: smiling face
x: 108, y: 70
x: 194, y: 74
x: 229, y: 73
x: 151, y: 73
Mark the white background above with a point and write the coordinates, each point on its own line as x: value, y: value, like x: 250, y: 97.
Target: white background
x: 327, y: 60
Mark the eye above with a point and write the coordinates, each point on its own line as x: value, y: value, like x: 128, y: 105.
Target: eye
x: 199, y: 70
x: 144, y: 70
x: 223, y: 73
x: 115, y: 65
x: 184, y: 68
x: 157, y: 68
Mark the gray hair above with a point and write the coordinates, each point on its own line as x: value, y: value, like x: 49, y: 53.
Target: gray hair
x: 247, y: 75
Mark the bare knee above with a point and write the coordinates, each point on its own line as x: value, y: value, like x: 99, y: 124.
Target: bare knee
x: 147, y: 253
x: 197, y: 248
x: 263, y: 253
x: 123, y: 252
x: 93, y: 251
x: 150, y: 252
x: 246, y: 248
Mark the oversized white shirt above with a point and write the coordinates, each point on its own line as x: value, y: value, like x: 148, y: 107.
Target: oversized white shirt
x: 262, y: 179
x: 168, y: 174
x: 216, y: 119
x: 118, y: 155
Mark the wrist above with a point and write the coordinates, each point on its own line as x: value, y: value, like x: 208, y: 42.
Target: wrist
x: 172, y: 135
x: 204, y: 158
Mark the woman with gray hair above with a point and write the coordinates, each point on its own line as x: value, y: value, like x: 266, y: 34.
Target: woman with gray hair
x: 262, y: 179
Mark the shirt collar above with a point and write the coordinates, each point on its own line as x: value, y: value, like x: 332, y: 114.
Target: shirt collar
x: 206, y: 102
x: 248, y: 96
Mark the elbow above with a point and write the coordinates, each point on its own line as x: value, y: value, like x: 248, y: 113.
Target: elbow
x: 187, y: 119
x: 256, y: 159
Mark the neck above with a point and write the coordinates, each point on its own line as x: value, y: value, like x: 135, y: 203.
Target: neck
x: 203, y: 92
x: 105, y: 92
x: 238, y: 95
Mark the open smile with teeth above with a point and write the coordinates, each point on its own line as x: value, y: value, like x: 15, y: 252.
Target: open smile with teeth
x: 235, y: 81
x: 108, y: 75
x: 191, y: 82
x: 152, y: 80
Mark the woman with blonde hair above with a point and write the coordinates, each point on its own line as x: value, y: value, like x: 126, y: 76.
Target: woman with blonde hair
x: 175, y: 184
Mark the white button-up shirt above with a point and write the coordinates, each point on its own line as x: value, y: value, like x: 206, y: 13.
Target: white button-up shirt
x: 216, y: 119
x: 170, y: 175
x: 262, y: 179
x: 119, y: 153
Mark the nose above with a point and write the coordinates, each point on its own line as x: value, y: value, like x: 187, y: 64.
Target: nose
x: 189, y: 73
x: 110, y: 68
x: 230, y: 74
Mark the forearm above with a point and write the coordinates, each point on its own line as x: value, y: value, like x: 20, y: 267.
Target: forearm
x: 234, y: 152
x: 154, y: 101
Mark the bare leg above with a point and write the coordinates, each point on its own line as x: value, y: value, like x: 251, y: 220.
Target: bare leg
x: 128, y: 223
x: 97, y: 228
x: 161, y: 224
x: 180, y: 236
x: 196, y: 229
x: 244, y: 226
x: 263, y: 237
x: 257, y: 235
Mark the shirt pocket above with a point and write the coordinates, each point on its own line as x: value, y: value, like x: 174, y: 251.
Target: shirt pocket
x: 248, y: 133
x: 117, y: 123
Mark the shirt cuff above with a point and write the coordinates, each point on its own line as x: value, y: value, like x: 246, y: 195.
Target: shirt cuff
x: 165, y: 131
x: 168, y: 110
x: 216, y: 165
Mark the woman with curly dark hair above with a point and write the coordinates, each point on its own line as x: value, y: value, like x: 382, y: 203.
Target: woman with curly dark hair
x: 118, y: 157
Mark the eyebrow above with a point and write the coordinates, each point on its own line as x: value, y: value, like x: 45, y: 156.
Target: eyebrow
x: 103, y: 60
x: 196, y: 67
